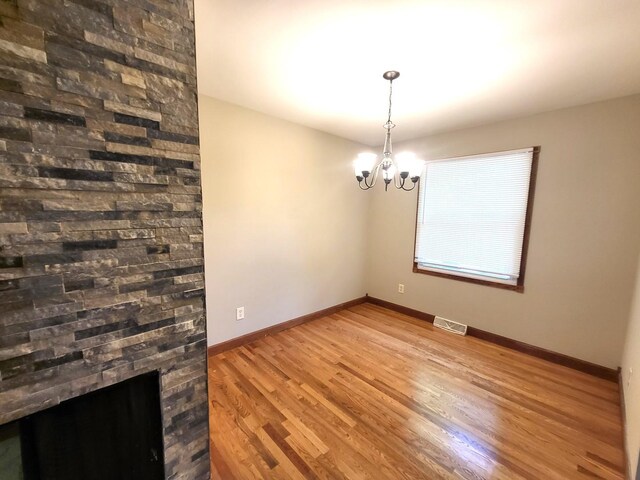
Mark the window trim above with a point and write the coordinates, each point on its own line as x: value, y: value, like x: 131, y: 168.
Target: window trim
x: 519, y: 286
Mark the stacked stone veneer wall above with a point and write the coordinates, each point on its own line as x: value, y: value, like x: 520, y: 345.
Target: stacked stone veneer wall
x: 101, y: 254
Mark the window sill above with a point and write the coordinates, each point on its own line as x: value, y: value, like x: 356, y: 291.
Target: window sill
x: 514, y: 288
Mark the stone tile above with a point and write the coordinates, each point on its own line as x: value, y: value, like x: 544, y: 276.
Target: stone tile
x: 54, y: 117
x: 23, y: 51
x: 132, y: 111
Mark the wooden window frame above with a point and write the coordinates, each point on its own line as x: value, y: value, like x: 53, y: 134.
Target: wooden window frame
x: 519, y: 286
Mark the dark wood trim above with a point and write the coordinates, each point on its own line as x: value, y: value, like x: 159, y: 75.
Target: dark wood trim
x: 427, y: 317
x: 253, y: 336
x: 528, y: 216
x: 623, y: 414
x: 554, y: 357
x: 477, y: 281
x: 519, y: 287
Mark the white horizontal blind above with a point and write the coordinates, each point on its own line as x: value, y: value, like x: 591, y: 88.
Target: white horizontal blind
x: 471, y: 215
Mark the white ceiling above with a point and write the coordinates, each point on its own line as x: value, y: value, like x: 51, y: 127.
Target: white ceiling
x: 320, y: 62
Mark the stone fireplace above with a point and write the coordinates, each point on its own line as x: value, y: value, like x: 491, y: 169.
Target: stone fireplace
x: 101, y: 253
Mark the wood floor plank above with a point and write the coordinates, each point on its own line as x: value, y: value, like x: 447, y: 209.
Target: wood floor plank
x: 368, y: 393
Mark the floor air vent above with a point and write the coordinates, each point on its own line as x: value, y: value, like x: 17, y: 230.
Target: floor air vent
x: 450, y: 326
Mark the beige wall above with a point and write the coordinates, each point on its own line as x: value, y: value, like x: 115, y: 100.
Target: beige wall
x: 631, y: 381
x: 285, y: 231
x: 585, y: 233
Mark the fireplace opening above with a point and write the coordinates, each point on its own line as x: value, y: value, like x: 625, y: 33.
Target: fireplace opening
x: 111, y: 433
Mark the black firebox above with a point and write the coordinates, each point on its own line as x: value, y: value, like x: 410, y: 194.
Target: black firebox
x: 111, y: 433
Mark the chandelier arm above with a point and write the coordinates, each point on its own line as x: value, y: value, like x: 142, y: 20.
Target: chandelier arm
x: 374, y: 173
x: 367, y: 184
x: 409, y: 189
x: 398, y: 181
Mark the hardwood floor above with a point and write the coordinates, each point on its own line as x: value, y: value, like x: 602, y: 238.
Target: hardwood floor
x: 368, y: 393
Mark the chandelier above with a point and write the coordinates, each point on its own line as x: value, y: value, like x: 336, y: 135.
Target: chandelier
x: 404, y: 166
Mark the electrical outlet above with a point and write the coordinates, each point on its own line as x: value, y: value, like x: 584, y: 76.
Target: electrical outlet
x: 400, y: 288
x: 239, y: 313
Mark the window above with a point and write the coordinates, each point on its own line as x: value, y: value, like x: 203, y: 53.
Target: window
x: 473, y: 217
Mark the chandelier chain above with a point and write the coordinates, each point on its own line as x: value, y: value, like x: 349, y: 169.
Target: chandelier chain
x: 390, y: 92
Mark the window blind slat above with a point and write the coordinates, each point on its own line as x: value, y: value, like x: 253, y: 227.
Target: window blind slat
x: 471, y: 213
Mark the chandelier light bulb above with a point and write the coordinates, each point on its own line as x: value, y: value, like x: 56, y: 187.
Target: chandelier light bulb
x: 415, y: 171
x: 409, y: 165
x: 405, y: 162
x: 363, y: 165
